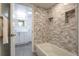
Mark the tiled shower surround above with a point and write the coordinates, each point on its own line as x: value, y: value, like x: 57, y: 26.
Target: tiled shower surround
x: 41, y: 26
x: 63, y: 34
x: 56, y: 31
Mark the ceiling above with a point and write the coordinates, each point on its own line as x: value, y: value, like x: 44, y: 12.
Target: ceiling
x: 42, y: 5
x: 26, y: 4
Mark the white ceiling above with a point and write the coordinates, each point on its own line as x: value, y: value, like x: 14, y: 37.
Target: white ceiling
x: 26, y: 4
x: 44, y: 5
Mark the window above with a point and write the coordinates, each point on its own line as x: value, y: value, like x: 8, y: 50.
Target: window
x: 21, y: 23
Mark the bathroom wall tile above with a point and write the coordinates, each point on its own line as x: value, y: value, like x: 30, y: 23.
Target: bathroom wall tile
x: 63, y: 34
x: 57, y: 32
x: 40, y: 22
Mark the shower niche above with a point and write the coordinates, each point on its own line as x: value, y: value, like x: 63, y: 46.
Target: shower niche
x: 69, y: 14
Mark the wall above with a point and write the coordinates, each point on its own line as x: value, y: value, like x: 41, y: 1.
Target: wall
x: 78, y: 25
x: 0, y: 8
x: 4, y: 49
x: 40, y: 25
x: 0, y: 46
x: 23, y: 33
x: 57, y: 32
x: 0, y: 38
x: 63, y: 34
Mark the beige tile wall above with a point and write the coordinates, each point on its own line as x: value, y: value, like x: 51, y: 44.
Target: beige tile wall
x: 78, y: 25
x: 63, y: 34
x: 40, y: 25
x: 57, y: 31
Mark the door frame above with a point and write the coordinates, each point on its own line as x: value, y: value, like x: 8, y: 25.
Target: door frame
x: 12, y: 39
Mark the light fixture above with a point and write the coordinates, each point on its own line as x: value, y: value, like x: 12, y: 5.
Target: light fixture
x: 65, y: 3
x: 20, y: 14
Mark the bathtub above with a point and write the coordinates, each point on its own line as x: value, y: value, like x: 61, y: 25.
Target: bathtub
x: 47, y: 49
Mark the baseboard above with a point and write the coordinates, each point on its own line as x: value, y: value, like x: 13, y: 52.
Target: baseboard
x: 23, y: 44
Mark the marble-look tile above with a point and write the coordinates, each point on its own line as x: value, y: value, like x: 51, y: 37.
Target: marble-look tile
x: 57, y: 32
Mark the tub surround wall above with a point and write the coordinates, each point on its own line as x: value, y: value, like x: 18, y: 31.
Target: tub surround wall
x: 56, y: 31
x: 78, y: 25
x: 63, y: 34
x: 40, y: 25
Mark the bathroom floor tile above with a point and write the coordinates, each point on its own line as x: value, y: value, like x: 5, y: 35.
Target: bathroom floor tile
x: 24, y: 50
